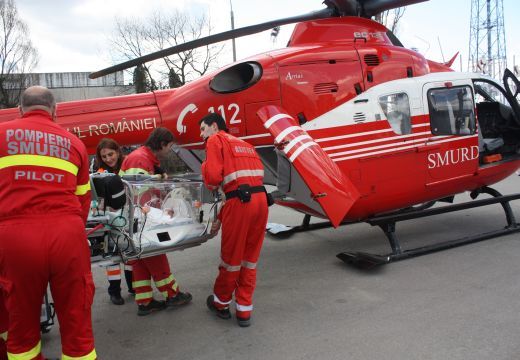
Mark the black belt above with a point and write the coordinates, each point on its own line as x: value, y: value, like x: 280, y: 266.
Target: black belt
x: 238, y: 193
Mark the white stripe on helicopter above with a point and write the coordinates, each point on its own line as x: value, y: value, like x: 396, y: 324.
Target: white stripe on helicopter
x: 413, y: 143
x: 401, y: 148
x: 391, y: 138
x: 375, y: 147
x: 366, y: 133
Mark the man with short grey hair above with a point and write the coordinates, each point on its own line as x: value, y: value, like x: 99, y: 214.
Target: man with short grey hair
x: 37, y: 97
x: 44, y: 204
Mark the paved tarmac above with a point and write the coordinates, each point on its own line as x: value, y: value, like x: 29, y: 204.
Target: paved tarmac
x: 462, y: 303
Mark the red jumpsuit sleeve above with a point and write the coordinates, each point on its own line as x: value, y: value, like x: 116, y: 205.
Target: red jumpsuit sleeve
x: 135, y: 163
x: 213, y: 166
x: 83, y: 184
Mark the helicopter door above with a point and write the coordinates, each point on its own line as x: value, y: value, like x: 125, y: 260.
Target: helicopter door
x: 512, y: 86
x: 324, y: 187
x: 452, y: 149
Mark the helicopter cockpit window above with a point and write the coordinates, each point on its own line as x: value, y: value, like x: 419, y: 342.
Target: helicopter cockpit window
x: 487, y: 92
x: 236, y: 78
x: 452, y: 111
x: 495, y: 114
x: 397, y: 111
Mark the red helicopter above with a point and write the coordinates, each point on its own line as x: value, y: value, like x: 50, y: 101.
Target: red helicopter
x: 351, y: 126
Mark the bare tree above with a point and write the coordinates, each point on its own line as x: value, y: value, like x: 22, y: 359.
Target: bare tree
x: 390, y: 18
x: 134, y: 38
x: 130, y: 41
x: 17, y: 54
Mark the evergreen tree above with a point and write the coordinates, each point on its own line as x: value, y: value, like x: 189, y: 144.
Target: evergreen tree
x: 174, y: 80
x: 141, y: 82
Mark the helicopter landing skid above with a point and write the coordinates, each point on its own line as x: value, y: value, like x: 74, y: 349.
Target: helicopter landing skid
x: 387, y: 224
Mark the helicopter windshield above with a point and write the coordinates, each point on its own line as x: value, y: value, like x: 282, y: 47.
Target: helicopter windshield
x: 487, y: 92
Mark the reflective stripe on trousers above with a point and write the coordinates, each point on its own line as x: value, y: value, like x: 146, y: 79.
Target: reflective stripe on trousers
x: 27, y: 355
x: 243, y: 264
x: 58, y: 243
x: 241, y: 244
x: 158, y: 268
x: 91, y: 356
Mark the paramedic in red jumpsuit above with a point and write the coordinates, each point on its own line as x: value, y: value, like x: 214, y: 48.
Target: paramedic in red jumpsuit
x: 232, y: 163
x: 44, y: 204
x: 145, y: 161
x: 109, y: 158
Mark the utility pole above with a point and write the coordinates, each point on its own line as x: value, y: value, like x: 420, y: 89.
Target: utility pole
x: 487, y: 46
x: 233, y: 28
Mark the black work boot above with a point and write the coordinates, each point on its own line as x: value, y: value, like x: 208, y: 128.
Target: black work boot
x: 221, y: 313
x: 244, y: 322
x: 182, y: 298
x: 114, y: 290
x: 117, y: 299
x: 152, y: 306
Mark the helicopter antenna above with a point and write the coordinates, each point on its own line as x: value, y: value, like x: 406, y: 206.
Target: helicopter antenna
x: 426, y: 42
x: 440, y: 47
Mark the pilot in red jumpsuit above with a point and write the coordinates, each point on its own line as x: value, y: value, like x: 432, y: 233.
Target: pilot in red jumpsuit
x: 145, y: 161
x: 44, y: 204
x: 235, y: 166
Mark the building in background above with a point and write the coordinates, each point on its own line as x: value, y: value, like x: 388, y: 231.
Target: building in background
x: 70, y: 86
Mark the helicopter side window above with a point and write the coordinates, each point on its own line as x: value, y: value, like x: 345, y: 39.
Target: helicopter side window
x: 451, y: 111
x: 396, y: 108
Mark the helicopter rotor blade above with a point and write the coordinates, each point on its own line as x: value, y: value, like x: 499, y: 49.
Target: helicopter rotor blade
x: 365, y: 8
x: 373, y: 7
x: 227, y: 35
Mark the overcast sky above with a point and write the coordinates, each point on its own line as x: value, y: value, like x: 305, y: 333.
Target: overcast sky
x: 72, y: 35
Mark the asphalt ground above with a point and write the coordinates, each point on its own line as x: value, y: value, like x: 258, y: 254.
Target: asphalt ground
x: 462, y: 303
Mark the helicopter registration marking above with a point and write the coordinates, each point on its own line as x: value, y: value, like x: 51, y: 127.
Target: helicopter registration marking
x: 372, y: 35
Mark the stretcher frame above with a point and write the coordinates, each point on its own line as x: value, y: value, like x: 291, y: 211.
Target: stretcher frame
x: 100, y: 226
